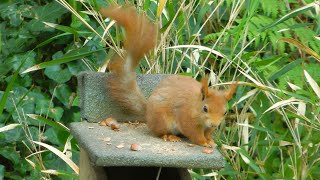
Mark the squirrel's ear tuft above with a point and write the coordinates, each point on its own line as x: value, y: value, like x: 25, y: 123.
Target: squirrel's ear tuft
x: 232, y: 89
x: 204, y: 88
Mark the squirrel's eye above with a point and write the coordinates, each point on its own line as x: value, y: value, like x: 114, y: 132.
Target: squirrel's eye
x: 205, y: 108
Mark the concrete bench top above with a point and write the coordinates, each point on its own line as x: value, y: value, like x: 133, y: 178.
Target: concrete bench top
x: 107, y: 147
x: 100, y: 142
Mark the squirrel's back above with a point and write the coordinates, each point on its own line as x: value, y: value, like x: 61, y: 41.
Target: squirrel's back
x: 182, y: 105
x: 174, y: 96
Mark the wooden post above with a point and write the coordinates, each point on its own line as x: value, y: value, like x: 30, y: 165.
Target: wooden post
x: 89, y: 171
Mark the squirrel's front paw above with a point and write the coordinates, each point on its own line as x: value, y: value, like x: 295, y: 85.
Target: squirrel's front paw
x: 206, y: 145
x: 212, y: 143
x: 171, y: 138
x: 209, y: 144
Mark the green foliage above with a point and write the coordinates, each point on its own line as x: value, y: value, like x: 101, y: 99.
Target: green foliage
x: 49, y: 93
x: 43, y: 46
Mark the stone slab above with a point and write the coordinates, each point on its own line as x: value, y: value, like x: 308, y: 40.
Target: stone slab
x: 154, y: 151
x: 94, y: 101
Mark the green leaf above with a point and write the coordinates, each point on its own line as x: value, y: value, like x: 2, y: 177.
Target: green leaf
x: 11, y: 13
x: 42, y: 105
x: 42, y: 102
x: 62, y: 28
x: 10, y: 85
x: 60, y: 155
x: 61, y: 174
x: 72, y: 114
x: 52, y: 39
x: 4, y: 67
x: 296, y: 76
x: 29, y: 60
x: 2, y: 170
x: 54, y: 137
x: 52, y: 123
x: 66, y: 58
x: 47, y: 13
x: 63, y: 93
x: 285, y: 69
x: 9, y: 127
x: 75, y: 67
x: 292, y: 14
x: 10, y: 153
x: 56, y: 113
x: 12, y: 136
x: 302, y: 47
x: 248, y: 160
x: 58, y: 74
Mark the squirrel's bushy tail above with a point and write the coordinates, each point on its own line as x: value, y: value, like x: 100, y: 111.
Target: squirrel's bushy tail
x: 140, y: 39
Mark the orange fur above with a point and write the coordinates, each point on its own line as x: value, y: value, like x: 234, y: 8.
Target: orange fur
x: 179, y: 104
x: 140, y: 39
x: 176, y: 106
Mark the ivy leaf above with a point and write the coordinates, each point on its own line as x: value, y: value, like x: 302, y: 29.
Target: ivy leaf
x: 58, y: 74
x: 2, y: 169
x: 72, y: 114
x: 56, y: 113
x: 47, y: 13
x: 55, y: 136
x: 63, y: 93
x: 42, y: 102
x: 10, y: 153
x: 10, y: 13
x: 12, y: 135
x: 42, y: 106
x: 15, y: 61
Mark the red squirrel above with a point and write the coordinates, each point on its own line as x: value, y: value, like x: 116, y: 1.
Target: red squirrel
x: 179, y: 104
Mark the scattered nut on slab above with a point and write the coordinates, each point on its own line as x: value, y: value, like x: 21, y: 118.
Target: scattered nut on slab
x: 207, y: 150
x: 106, y: 139
x: 110, y: 121
x: 135, y: 147
x: 107, y: 122
x: 102, y: 123
x: 115, y: 127
x: 135, y: 124
x: 120, y: 146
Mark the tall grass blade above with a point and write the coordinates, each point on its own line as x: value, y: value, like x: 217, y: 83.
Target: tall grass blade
x: 294, y: 13
x: 9, y: 127
x: 49, y: 122
x: 285, y: 69
x: 73, y: 166
x: 59, y: 61
x: 62, y: 28
x: 248, y: 160
x: 302, y: 47
x: 59, y: 173
x: 200, y: 48
x: 51, y: 39
x: 161, y: 5
x: 312, y: 83
x: 9, y: 87
x: 281, y: 104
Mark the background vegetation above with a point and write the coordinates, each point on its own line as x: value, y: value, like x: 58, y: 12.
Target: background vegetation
x: 271, y: 46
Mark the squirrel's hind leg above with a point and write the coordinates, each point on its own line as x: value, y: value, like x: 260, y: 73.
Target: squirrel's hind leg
x: 171, y: 138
